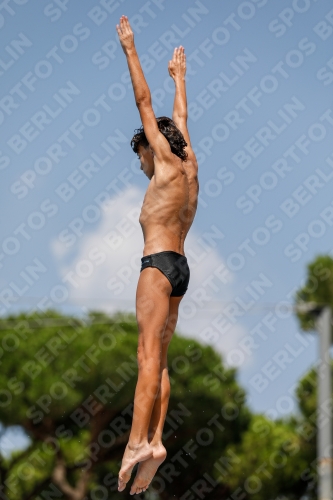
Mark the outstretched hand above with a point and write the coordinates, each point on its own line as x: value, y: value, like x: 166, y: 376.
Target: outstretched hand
x: 125, y: 33
x: 177, y: 66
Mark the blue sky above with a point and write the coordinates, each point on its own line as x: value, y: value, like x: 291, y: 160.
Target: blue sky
x: 261, y: 121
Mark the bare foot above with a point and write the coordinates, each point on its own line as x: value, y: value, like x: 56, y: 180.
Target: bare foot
x: 132, y: 455
x: 147, y: 470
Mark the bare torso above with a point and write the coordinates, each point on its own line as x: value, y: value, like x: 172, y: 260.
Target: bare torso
x: 169, y: 208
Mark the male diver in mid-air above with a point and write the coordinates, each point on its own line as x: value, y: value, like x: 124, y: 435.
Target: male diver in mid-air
x: 167, y: 158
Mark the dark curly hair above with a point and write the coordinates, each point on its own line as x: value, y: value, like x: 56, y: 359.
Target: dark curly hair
x: 172, y: 134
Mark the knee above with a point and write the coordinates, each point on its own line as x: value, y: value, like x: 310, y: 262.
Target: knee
x: 149, y: 347
x: 149, y: 362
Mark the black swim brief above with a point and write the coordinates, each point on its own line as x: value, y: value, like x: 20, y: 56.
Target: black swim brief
x: 173, y: 265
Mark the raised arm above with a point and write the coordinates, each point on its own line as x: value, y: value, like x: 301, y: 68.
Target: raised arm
x: 177, y: 71
x: 142, y: 95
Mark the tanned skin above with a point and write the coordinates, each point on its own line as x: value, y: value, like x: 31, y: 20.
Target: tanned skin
x: 167, y: 214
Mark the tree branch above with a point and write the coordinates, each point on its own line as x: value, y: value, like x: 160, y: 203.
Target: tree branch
x: 59, y: 477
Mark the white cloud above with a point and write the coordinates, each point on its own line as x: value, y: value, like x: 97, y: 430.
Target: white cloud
x: 103, y: 268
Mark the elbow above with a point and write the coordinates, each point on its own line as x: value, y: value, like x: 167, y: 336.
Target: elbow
x: 144, y: 100
x: 181, y: 114
x: 180, y: 117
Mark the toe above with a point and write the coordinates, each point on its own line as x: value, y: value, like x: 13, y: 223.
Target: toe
x: 135, y: 490
x: 121, y: 484
x: 123, y: 476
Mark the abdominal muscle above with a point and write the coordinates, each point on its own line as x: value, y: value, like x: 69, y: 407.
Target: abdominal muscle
x: 159, y: 239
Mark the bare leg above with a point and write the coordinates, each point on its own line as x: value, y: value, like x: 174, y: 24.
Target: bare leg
x: 148, y: 468
x: 152, y: 312
x: 162, y: 400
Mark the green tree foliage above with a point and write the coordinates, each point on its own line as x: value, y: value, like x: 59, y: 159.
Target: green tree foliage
x: 69, y: 383
x: 318, y: 289
x: 306, y: 393
x: 269, y: 462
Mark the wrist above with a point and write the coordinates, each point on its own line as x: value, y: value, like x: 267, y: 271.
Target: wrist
x: 130, y: 51
x: 179, y: 80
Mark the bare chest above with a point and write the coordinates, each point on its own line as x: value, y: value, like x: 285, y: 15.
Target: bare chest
x: 164, y: 203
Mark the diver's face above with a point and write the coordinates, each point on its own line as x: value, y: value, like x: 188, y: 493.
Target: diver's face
x: 146, y: 158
